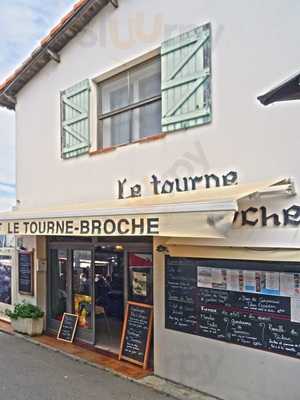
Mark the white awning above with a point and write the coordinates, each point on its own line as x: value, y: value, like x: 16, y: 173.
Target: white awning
x: 205, y: 213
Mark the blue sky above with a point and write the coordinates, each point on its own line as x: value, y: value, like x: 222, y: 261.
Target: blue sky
x: 22, y: 24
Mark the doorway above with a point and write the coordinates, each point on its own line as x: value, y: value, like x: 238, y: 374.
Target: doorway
x: 109, y: 296
x: 95, y: 278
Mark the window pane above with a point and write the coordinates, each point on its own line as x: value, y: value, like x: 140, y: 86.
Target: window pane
x: 5, y: 280
x: 115, y: 94
x: 147, y: 120
x: 116, y: 130
x: 58, y: 271
x: 146, y: 81
x: 82, y: 288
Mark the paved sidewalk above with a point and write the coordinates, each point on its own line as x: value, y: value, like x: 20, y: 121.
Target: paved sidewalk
x: 106, y: 364
x: 30, y: 372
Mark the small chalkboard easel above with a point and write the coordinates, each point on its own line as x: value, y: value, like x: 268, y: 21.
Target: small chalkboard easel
x: 68, y: 328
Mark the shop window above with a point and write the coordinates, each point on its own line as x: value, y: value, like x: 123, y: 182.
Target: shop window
x: 58, y: 271
x: 82, y: 287
x: 140, y: 285
x: 5, y: 280
x: 130, y: 105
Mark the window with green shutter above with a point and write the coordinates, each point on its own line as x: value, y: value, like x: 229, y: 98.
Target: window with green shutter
x: 75, y: 107
x: 130, y: 105
x: 186, y: 80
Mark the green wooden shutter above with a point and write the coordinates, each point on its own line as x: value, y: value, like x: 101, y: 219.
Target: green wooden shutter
x: 75, y: 103
x: 186, y: 80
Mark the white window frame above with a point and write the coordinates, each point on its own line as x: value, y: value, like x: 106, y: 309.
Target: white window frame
x: 126, y: 68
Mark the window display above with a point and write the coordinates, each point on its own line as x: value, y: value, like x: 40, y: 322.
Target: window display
x: 140, y: 266
x: 5, y: 280
x: 82, y: 288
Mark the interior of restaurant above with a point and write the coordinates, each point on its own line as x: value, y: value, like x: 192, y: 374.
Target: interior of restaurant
x: 95, y: 281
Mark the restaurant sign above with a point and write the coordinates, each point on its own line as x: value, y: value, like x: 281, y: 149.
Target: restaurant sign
x: 173, y: 224
x: 86, y: 226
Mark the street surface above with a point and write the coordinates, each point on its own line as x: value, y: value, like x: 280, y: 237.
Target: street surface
x: 31, y: 372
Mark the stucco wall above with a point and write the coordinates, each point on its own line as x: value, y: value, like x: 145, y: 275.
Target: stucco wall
x: 256, y: 141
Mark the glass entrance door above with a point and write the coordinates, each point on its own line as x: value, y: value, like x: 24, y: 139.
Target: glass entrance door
x: 95, y: 281
x: 82, y: 293
x: 58, y: 284
x: 70, y: 289
x: 109, y: 296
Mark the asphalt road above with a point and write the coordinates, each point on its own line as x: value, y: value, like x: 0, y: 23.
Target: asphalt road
x: 31, y: 372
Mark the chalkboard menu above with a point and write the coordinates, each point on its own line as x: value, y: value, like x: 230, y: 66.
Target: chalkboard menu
x: 68, y: 327
x: 250, y: 319
x: 180, y: 298
x: 26, y: 272
x: 137, y: 331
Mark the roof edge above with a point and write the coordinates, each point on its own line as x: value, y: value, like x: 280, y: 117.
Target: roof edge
x: 60, y: 35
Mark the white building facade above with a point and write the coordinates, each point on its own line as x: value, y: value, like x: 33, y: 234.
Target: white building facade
x: 145, y: 161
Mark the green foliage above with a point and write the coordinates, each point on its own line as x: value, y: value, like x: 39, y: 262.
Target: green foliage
x: 25, y: 310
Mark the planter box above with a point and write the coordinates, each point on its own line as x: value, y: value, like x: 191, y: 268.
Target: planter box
x: 27, y: 326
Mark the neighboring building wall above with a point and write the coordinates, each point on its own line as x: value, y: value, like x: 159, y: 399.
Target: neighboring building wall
x: 228, y: 371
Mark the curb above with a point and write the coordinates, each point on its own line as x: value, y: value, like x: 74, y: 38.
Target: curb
x: 159, y: 385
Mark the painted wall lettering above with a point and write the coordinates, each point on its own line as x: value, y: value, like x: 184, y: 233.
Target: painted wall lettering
x: 254, y: 216
x: 184, y: 184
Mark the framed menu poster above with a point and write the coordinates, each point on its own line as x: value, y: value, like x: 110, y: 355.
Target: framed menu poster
x: 26, y: 272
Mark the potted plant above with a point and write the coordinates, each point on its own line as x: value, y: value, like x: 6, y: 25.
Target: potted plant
x: 27, y: 319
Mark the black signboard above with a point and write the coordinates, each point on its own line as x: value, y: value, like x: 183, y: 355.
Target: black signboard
x: 26, y: 272
x: 250, y: 319
x: 137, y: 331
x: 242, y: 318
x: 68, y: 327
x: 180, y: 298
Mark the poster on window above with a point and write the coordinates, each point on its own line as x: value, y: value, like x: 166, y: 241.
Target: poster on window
x: 139, y: 284
x: 140, y: 274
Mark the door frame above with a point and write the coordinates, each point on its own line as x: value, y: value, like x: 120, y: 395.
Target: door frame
x: 129, y: 245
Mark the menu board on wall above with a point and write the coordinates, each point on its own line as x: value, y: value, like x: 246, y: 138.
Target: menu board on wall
x: 26, y: 272
x: 230, y: 305
x: 180, y: 298
x: 137, y: 332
